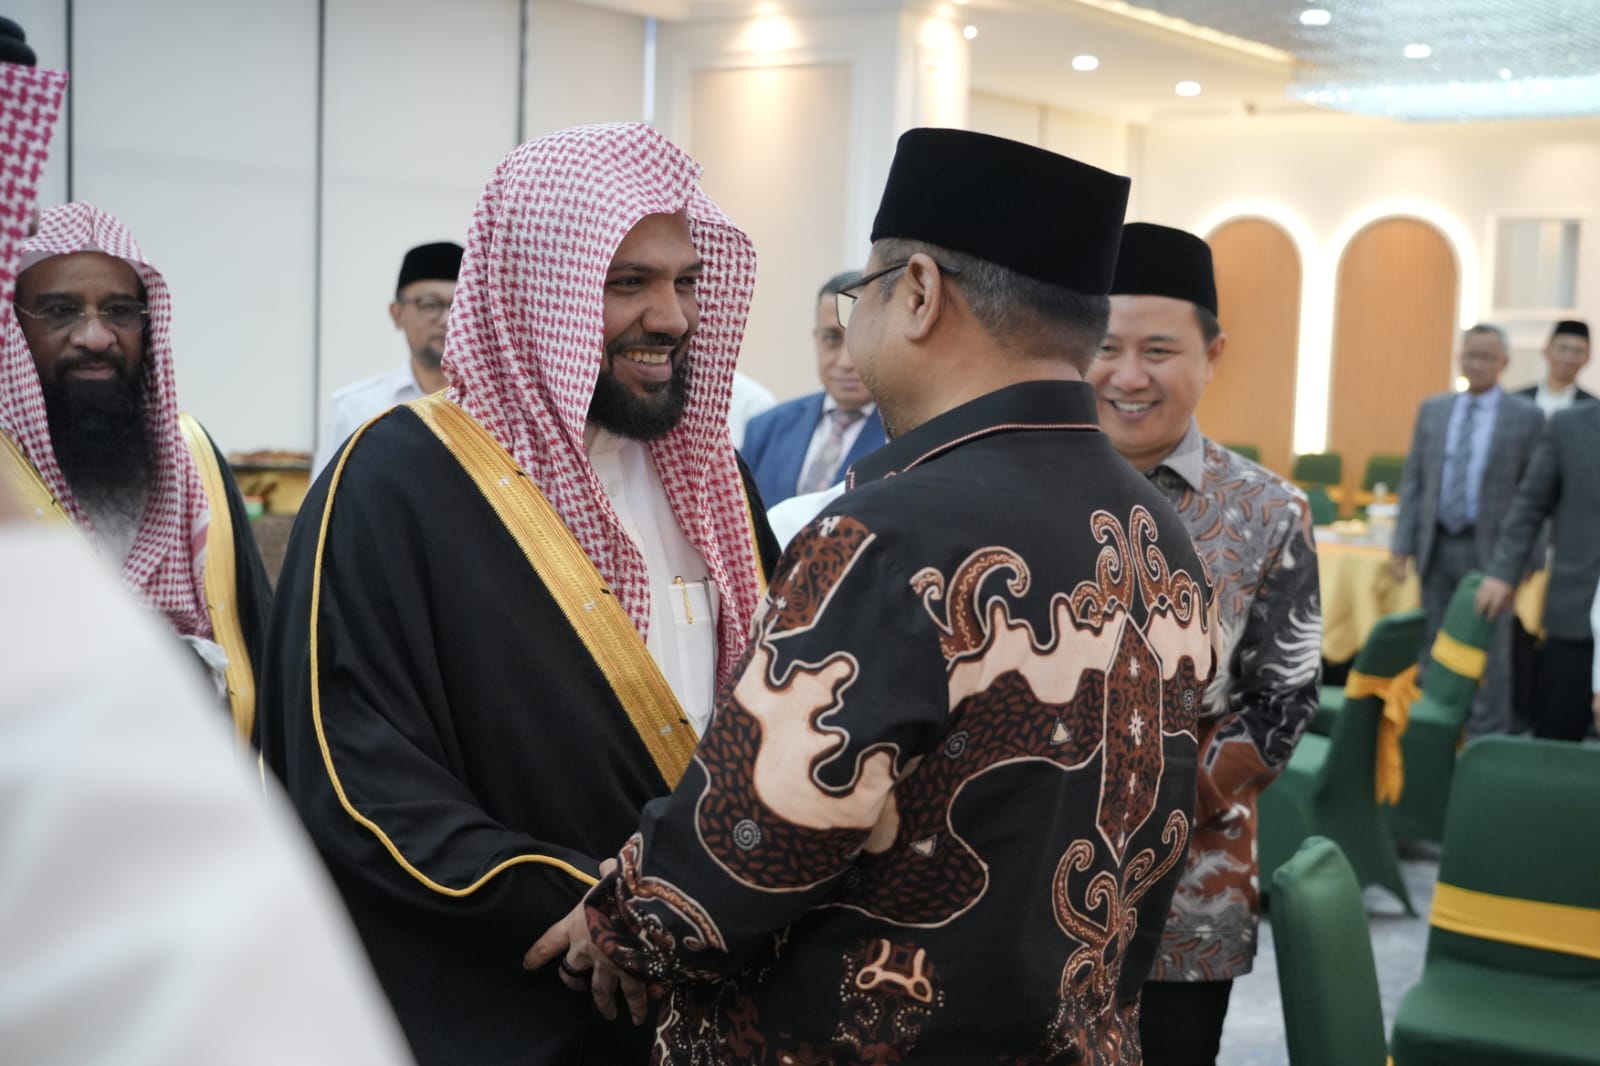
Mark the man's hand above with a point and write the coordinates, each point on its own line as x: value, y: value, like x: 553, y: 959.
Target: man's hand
x: 1595, y: 707
x: 1493, y: 597
x: 585, y: 966
x: 1397, y: 567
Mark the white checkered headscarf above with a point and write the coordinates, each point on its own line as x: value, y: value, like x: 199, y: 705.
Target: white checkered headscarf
x: 526, y: 344
x: 166, y: 563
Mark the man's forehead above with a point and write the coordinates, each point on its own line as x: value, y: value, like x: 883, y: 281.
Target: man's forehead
x: 1151, y: 314
x: 78, y: 269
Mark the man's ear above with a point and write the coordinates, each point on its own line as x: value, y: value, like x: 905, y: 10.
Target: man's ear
x: 1214, y: 353
x: 394, y: 313
x: 926, y: 294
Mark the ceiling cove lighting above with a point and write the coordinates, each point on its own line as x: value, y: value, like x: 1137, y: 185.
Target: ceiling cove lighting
x: 1085, y: 63
x: 1187, y: 88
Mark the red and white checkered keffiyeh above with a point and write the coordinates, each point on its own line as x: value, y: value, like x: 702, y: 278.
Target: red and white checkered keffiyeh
x: 30, y: 100
x: 167, y: 562
x: 526, y: 344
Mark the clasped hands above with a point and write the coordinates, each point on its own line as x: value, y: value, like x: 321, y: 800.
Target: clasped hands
x: 583, y: 966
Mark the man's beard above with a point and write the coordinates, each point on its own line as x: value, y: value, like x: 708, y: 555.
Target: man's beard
x: 429, y: 356
x: 97, y: 430
x: 617, y: 408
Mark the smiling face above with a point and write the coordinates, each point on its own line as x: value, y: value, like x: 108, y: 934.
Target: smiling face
x: 651, y: 313
x: 1149, y: 373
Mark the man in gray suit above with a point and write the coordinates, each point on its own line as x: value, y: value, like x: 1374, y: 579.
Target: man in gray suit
x: 1563, y: 481
x: 1468, y: 452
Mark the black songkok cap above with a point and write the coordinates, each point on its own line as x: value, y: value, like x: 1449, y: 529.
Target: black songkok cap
x: 430, y: 262
x: 14, y: 45
x: 1040, y: 214
x: 1572, y: 326
x: 1162, y: 261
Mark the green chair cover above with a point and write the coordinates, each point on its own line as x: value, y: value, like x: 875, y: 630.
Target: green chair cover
x: 1433, y: 735
x: 1512, y: 973
x: 1329, y: 787
x: 1323, y: 509
x: 1318, y: 468
x: 1332, y: 1015
x: 1383, y: 470
x: 1249, y: 451
x: 1332, y: 696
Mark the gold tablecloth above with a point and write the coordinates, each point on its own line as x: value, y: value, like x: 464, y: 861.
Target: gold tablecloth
x: 1357, y: 591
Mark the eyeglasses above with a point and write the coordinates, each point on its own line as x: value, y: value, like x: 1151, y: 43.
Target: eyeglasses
x: 430, y: 308
x: 845, y: 299
x: 124, y: 317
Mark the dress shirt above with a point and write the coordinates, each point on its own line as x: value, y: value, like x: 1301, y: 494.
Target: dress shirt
x: 353, y: 405
x: 1551, y: 402
x: 750, y: 398
x: 1187, y: 458
x: 1478, y: 456
x: 824, y: 426
x: 683, y: 599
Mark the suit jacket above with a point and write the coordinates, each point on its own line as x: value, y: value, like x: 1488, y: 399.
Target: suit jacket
x: 1532, y: 392
x: 1563, y: 481
x: 775, y: 445
x: 1517, y: 426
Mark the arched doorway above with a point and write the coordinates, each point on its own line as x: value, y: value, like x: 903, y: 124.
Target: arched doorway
x: 1393, y: 337
x: 1251, y: 397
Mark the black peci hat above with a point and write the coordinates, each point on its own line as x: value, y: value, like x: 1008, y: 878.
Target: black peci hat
x: 1572, y: 326
x: 1040, y: 214
x: 14, y: 45
x: 430, y: 262
x: 1162, y: 261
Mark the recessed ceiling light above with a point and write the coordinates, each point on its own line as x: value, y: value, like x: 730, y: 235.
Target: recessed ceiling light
x: 1187, y: 88
x: 1085, y: 62
x: 1418, y: 51
x: 969, y: 32
x: 1315, y: 16
x: 1505, y: 75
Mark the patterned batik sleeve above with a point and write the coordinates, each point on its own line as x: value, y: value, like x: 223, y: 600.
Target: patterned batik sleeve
x: 1277, y: 668
x: 842, y: 686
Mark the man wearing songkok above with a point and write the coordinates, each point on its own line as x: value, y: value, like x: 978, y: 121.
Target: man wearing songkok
x: 1566, y: 353
x: 806, y: 445
x: 91, y: 435
x: 506, y: 608
x: 420, y: 310
x: 1469, y: 452
x: 940, y: 809
x: 1253, y: 529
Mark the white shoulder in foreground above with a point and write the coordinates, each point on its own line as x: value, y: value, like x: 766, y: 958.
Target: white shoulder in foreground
x: 792, y: 515
x: 155, y: 906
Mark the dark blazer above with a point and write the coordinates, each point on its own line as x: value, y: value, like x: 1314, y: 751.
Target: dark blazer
x: 1563, y: 481
x: 1516, y: 432
x: 775, y: 444
x: 1532, y: 393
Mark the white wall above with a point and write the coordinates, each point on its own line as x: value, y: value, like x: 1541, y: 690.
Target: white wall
x: 1326, y: 175
x: 585, y: 65
x: 417, y: 111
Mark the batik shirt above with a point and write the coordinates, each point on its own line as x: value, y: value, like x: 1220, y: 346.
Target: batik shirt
x: 1253, y: 529
x: 940, y: 808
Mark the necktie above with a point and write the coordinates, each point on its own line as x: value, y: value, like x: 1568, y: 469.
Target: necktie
x: 1453, y: 499
x: 820, y: 473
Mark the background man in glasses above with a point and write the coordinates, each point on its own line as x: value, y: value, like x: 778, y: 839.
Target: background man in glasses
x: 421, y: 310
x: 90, y: 433
x: 806, y: 445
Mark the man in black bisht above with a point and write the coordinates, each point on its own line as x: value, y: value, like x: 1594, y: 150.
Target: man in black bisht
x: 939, y: 814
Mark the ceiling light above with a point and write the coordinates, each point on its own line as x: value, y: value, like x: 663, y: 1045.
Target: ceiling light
x: 1505, y: 74
x: 1085, y: 62
x: 969, y: 32
x: 1315, y: 16
x: 1187, y: 88
x: 1418, y: 51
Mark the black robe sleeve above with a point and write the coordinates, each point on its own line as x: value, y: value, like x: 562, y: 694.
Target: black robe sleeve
x: 768, y: 550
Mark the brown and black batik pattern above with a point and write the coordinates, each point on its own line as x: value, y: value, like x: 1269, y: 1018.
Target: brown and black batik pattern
x: 1253, y: 531
x: 934, y: 810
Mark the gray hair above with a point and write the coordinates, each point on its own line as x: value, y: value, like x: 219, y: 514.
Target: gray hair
x: 1052, y: 321
x: 1498, y: 333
